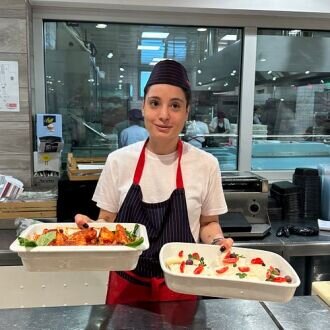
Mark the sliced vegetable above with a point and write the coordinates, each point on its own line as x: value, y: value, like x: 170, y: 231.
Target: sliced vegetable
x: 135, y: 243
x: 182, y: 266
x: 230, y: 260
x: 181, y: 254
x: 195, y: 256
x: 199, y: 269
x: 244, y: 269
x: 222, y: 270
x: 257, y: 261
x: 46, y: 239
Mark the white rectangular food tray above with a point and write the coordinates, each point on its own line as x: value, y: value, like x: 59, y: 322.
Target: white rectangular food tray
x: 215, y: 286
x: 79, y: 258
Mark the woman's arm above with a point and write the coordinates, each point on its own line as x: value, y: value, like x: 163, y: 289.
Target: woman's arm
x: 210, y: 231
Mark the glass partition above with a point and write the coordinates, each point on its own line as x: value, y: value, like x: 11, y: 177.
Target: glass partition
x: 95, y: 74
x: 291, y: 122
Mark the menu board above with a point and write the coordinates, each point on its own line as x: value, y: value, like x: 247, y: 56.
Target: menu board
x: 9, y: 88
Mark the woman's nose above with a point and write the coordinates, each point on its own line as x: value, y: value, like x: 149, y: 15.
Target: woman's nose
x: 164, y: 112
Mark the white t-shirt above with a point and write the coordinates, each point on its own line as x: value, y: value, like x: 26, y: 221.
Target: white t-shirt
x: 200, y: 172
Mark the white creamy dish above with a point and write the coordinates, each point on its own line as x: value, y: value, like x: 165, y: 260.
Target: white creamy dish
x: 230, y: 265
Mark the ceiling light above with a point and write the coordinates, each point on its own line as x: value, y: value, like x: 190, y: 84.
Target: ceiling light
x: 121, y: 69
x: 262, y: 60
x: 322, y: 81
x: 231, y: 37
x: 274, y: 78
x: 101, y: 26
x: 307, y: 72
x: 199, y: 71
x: 270, y: 72
x: 121, y: 76
x: 202, y: 29
x: 214, y: 79
x: 199, y: 83
x: 205, y: 50
x: 225, y: 84
x: 209, y: 88
x: 120, y: 81
x: 110, y: 55
x: 145, y: 47
x: 282, y: 100
x: 232, y: 74
x: 155, y: 35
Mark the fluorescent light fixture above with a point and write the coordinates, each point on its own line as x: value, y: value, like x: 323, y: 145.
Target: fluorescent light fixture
x: 322, y: 81
x: 225, y: 84
x: 199, y: 71
x: 155, y: 35
x: 231, y: 37
x: 146, y: 47
x: 262, y: 60
x: 110, y: 55
x: 101, y: 26
x: 274, y: 78
x: 282, y: 100
x: 120, y: 81
x: 307, y: 72
x: 270, y: 72
x: 121, y: 69
x: 121, y: 76
x: 201, y: 29
x: 214, y: 79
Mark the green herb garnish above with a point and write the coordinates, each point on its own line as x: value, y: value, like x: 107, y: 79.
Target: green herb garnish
x: 241, y: 275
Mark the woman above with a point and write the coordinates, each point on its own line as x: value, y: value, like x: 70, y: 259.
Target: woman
x: 171, y: 187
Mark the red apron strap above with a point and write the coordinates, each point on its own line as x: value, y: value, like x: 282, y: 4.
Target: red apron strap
x: 141, y: 161
x: 179, y: 181
x: 140, y: 165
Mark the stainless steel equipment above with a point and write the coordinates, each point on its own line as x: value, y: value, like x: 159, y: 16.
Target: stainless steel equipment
x: 246, y: 193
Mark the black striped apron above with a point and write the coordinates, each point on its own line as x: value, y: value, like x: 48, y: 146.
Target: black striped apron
x: 165, y: 221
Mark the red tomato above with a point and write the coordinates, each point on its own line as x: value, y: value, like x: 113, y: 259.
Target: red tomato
x: 257, y: 261
x: 196, y: 256
x: 244, y: 269
x: 230, y: 260
x: 279, y: 279
x: 199, y: 269
x: 181, y: 254
x: 222, y: 270
x: 182, y: 265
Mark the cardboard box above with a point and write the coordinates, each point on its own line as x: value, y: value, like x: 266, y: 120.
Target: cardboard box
x: 49, y: 125
x: 50, y: 144
x: 47, y: 161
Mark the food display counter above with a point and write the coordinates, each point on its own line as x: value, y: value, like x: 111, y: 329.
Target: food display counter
x: 300, y: 313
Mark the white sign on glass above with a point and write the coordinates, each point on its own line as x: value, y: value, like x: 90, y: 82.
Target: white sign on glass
x: 9, y: 88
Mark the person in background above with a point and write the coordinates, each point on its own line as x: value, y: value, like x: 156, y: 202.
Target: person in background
x: 220, y: 124
x: 135, y: 132
x: 257, y: 112
x: 195, y: 131
x: 163, y: 183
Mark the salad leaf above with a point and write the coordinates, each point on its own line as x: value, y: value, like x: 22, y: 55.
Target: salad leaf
x: 26, y: 242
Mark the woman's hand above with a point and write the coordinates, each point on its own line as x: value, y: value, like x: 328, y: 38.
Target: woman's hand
x: 225, y: 243
x: 82, y: 220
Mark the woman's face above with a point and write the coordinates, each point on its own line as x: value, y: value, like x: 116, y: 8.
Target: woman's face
x: 165, y: 111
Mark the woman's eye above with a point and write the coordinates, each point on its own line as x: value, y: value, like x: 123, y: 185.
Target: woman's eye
x: 176, y: 106
x: 154, y: 103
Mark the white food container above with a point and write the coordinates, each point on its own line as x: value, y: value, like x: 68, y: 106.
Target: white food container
x: 79, y: 258
x: 230, y: 287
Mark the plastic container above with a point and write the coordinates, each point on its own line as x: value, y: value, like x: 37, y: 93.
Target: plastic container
x: 289, y: 197
x: 215, y: 286
x: 79, y: 258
